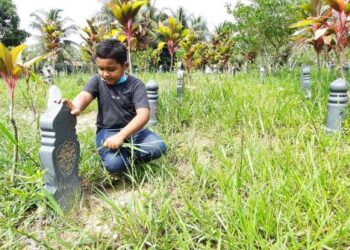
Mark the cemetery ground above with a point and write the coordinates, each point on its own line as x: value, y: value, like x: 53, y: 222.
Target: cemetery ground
x: 249, y: 166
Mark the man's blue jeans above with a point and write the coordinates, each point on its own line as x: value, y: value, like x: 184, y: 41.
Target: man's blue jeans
x: 149, y: 146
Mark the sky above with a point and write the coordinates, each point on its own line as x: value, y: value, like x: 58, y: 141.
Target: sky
x: 80, y: 10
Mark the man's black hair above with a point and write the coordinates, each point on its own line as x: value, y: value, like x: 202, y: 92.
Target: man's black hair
x: 112, y: 49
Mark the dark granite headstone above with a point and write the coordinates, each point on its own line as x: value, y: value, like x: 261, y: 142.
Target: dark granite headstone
x: 59, y: 152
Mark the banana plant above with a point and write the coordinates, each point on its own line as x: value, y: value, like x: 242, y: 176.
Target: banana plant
x: 11, y: 68
x: 172, y: 34
x: 125, y: 11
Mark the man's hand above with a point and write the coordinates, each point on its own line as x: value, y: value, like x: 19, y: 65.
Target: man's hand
x: 74, y: 109
x: 114, y: 142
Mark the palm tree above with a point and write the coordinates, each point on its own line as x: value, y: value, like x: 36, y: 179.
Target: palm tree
x: 180, y: 14
x: 105, y: 17
x: 125, y: 11
x: 149, y: 19
x: 197, y: 24
x: 54, y: 30
x: 199, y: 27
x: 224, y: 28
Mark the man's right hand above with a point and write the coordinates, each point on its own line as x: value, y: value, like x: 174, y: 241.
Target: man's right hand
x: 74, y: 109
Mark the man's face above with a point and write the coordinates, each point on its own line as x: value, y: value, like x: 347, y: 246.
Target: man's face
x: 110, y: 70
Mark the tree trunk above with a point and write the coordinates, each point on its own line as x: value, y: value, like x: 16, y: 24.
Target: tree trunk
x: 92, y: 71
x: 15, y: 149
x: 32, y: 103
x: 315, y: 7
x: 171, y: 62
x: 129, y: 58
x: 53, y: 74
x: 319, y: 83
x: 318, y: 63
x: 341, y: 61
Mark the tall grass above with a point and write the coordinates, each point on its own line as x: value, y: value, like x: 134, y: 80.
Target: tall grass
x: 249, y: 166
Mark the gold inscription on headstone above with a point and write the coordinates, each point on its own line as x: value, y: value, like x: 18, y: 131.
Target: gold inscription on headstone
x: 66, y: 157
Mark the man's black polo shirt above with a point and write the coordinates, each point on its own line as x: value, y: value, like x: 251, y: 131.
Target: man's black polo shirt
x: 117, y: 104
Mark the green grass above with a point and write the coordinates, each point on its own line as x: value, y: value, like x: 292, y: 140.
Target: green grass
x: 249, y: 166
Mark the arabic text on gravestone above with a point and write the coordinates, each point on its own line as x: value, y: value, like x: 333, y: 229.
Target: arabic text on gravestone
x: 66, y: 158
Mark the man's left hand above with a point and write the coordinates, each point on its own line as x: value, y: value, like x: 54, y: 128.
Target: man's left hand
x: 114, y: 142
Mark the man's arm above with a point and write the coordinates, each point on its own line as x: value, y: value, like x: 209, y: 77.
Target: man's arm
x: 137, y: 123
x: 79, y: 103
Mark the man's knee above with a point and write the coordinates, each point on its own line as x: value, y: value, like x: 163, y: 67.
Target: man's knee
x: 152, y: 151
x: 115, y: 164
x: 159, y: 150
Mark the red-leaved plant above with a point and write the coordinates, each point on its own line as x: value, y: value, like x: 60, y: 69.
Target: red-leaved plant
x: 307, y: 36
x: 125, y: 11
x: 333, y: 27
x: 11, y: 69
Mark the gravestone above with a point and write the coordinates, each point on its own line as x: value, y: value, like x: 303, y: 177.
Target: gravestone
x: 331, y: 66
x: 180, y: 82
x: 160, y: 69
x: 305, y: 83
x: 208, y: 69
x: 152, y: 95
x: 137, y: 70
x: 48, y: 73
x: 337, y: 105
x: 234, y: 71
x: 346, y: 68
x: 262, y: 75
x: 245, y: 67
x: 59, y: 152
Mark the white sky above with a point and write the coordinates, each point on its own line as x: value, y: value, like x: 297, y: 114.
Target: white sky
x: 80, y: 10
